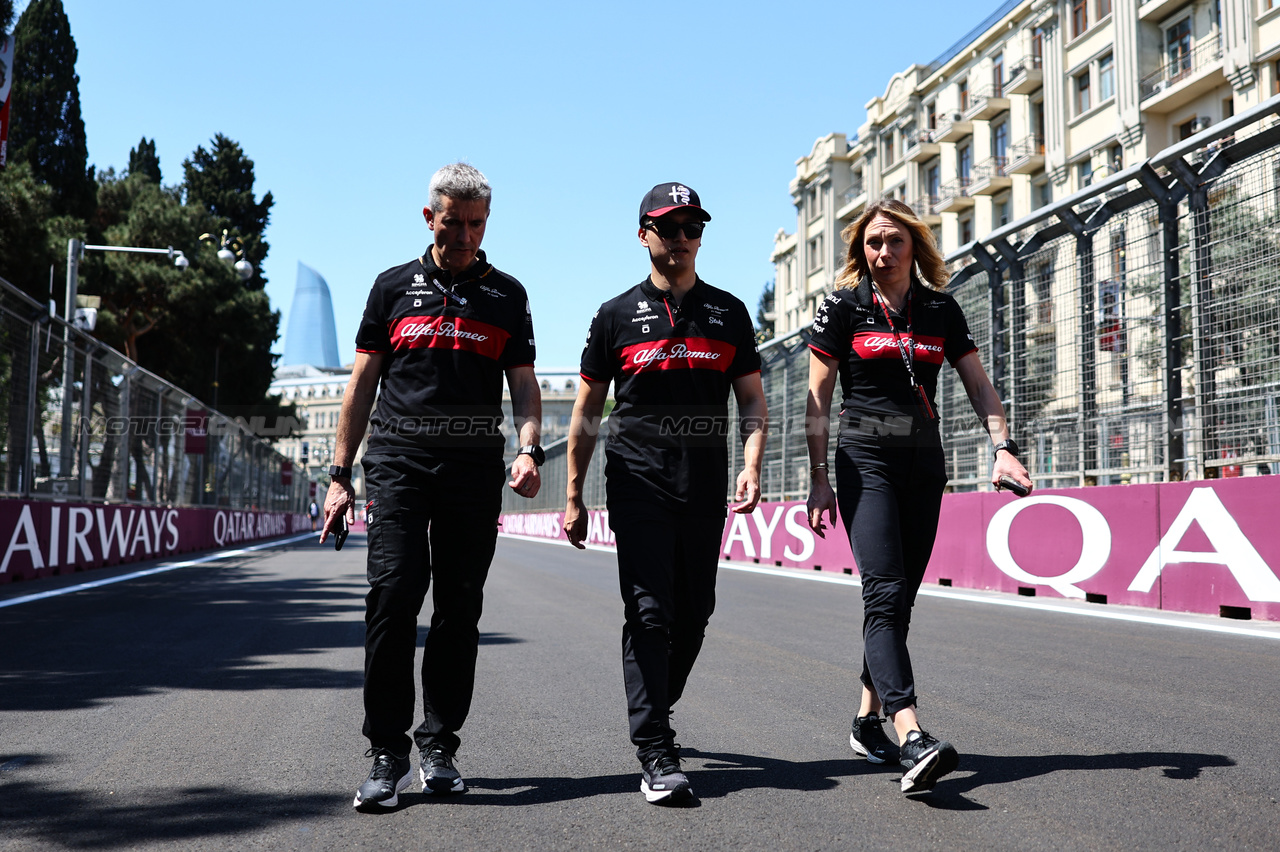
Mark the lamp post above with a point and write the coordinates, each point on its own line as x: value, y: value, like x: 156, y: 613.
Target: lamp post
x: 75, y: 251
x: 229, y: 248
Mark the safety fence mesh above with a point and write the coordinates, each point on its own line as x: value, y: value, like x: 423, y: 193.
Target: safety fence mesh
x: 79, y: 421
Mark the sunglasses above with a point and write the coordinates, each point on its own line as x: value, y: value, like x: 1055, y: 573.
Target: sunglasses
x: 671, y: 230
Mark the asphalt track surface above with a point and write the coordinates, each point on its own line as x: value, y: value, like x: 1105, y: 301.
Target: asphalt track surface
x: 217, y: 706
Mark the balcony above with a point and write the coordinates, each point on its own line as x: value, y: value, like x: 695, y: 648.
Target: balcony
x: 990, y: 176
x: 852, y: 202
x: 986, y: 104
x: 1182, y: 79
x: 952, y: 128
x: 923, y: 207
x: 1025, y: 76
x: 920, y: 147
x: 955, y: 196
x: 1026, y: 156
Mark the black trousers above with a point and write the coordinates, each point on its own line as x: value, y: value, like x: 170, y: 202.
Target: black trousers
x: 890, y: 499
x: 428, y: 521
x: 667, y: 563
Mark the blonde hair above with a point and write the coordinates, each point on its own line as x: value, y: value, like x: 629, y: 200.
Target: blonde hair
x: 927, y: 266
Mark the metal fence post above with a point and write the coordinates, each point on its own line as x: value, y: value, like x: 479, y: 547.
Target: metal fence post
x: 1170, y: 307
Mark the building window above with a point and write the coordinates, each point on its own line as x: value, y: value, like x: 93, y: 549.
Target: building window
x: 1079, y: 17
x: 1000, y: 212
x: 931, y: 116
x: 1082, y: 93
x: 964, y: 158
x: 1115, y: 158
x: 966, y: 230
x: 1106, y: 78
x: 1042, y: 193
x: 1187, y: 129
x: 1104, y: 8
x: 815, y: 253
x: 997, y: 76
x: 932, y: 183
x: 888, y: 149
x: 964, y: 94
x: 1084, y: 173
x: 1000, y: 142
x: 1177, y: 45
x: 1037, y: 44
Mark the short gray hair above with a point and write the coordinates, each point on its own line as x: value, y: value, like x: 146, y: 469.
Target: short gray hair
x: 461, y: 182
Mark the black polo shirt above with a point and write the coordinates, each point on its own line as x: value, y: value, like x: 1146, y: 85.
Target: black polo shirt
x: 447, y: 341
x: 672, y: 368
x: 879, y: 404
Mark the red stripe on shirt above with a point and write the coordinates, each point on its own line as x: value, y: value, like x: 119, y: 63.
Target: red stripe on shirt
x: 457, y: 333
x: 684, y: 353
x: 881, y: 344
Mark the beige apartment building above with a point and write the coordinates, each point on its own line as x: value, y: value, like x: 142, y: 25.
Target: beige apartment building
x: 1038, y: 101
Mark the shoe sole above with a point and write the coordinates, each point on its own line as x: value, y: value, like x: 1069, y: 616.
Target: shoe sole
x: 680, y: 794
x: 442, y: 786
x: 389, y: 802
x: 922, y: 777
x: 862, y: 750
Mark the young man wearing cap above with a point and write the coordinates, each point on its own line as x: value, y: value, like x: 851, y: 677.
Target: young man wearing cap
x: 673, y: 346
x: 439, y: 333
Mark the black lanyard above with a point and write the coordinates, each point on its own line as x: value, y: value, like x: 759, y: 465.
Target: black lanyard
x: 908, y: 358
x: 444, y: 291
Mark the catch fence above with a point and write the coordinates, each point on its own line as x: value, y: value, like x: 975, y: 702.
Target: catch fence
x: 1132, y: 331
x: 80, y: 421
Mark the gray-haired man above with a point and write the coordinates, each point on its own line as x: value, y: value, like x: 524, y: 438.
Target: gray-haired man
x: 439, y: 333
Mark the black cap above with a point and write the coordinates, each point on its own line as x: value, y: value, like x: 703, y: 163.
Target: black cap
x: 666, y: 197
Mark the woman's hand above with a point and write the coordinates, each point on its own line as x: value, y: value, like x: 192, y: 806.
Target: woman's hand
x: 821, y: 499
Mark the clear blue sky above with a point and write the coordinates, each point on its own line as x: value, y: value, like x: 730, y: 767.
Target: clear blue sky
x: 573, y: 110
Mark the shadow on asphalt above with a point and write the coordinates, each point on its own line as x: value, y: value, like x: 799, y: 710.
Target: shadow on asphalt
x: 990, y: 769
x: 201, y: 627
x: 713, y: 774
x: 100, y: 820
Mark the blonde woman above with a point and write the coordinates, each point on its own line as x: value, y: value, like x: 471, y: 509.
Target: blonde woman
x: 885, y: 332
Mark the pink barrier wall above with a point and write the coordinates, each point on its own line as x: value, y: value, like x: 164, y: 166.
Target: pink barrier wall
x: 1185, y: 546
x: 43, y: 539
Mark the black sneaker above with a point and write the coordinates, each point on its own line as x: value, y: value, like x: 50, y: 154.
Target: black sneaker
x: 926, y: 760
x: 390, y: 775
x: 662, y: 780
x: 438, y: 772
x: 867, y: 739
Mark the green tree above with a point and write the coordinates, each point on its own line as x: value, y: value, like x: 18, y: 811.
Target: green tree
x: 221, y: 181
x: 47, y: 130
x: 765, y: 313
x: 143, y: 160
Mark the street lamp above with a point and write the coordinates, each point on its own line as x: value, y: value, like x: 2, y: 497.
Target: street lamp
x: 75, y: 252
x: 229, y: 248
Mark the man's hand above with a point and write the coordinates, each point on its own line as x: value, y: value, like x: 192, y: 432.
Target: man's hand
x: 340, y: 500
x: 821, y: 499
x: 747, y: 493
x: 575, y: 522
x: 1007, y: 464
x: 525, y: 479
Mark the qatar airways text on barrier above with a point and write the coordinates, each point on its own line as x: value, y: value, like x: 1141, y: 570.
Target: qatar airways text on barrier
x: 1183, y: 546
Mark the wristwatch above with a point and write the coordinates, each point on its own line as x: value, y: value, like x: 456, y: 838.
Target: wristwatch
x: 535, y: 452
x: 336, y: 472
x: 1007, y: 444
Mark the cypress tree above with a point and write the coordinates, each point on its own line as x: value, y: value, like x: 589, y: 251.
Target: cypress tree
x: 221, y: 181
x: 143, y: 160
x: 47, y: 130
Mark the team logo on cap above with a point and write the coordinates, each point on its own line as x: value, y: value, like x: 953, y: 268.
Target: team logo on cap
x: 679, y: 194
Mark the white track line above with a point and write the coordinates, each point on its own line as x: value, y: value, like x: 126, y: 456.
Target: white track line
x: 993, y: 598
x: 147, y: 572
